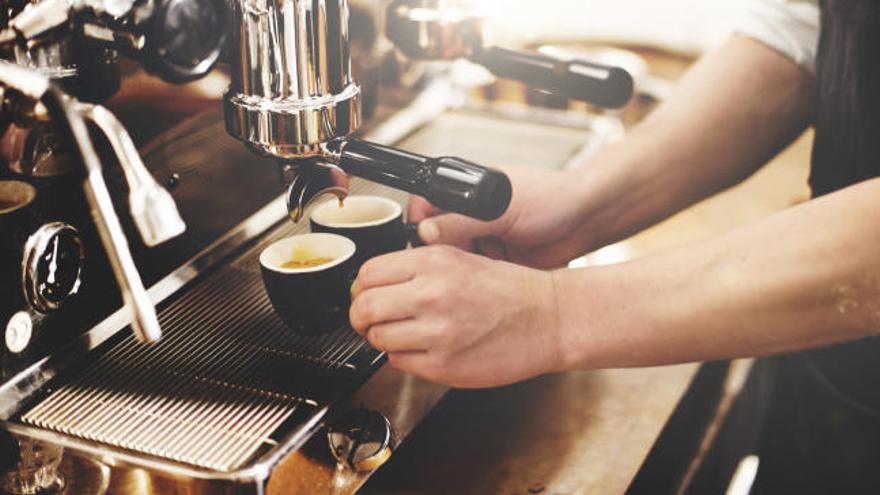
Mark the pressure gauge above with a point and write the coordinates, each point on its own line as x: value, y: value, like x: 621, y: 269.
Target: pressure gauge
x: 52, y: 266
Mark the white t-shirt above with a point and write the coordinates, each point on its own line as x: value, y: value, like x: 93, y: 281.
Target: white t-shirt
x: 790, y: 27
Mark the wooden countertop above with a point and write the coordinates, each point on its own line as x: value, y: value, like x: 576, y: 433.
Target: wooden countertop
x: 580, y: 432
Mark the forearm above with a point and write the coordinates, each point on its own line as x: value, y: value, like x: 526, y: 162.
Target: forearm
x: 806, y: 277
x: 732, y: 112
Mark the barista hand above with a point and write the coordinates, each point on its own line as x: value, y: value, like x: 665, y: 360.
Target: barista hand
x: 543, y: 227
x: 458, y: 318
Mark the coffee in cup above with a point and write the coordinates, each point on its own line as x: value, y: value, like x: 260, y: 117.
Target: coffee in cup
x: 374, y: 223
x: 308, y: 279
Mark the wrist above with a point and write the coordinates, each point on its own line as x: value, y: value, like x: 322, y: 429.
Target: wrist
x: 567, y: 354
x: 607, y: 316
x: 545, y: 352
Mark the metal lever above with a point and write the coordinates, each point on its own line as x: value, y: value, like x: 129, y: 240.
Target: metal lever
x: 152, y: 207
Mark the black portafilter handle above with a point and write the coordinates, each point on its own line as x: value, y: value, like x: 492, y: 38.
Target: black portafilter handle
x: 452, y: 184
x: 601, y: 85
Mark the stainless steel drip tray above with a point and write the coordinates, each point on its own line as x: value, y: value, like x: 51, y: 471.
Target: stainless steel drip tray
x: 228, y: 383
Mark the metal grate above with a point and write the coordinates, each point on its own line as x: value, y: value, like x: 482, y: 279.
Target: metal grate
x: 226, y: 375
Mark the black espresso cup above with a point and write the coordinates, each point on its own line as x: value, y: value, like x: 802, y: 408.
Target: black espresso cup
x: 17, y: 222
x: 17, y: 215
x: 374, y: 223
x: 308, y: 279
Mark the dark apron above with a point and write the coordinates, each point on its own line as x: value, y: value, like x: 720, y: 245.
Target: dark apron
x: 821, y: 433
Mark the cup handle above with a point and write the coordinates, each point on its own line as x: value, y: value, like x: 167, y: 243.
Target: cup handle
x: 411, y: 230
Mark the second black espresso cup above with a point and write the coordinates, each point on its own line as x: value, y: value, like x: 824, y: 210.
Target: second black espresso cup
x: 308, y: 279
x: 374, y: 223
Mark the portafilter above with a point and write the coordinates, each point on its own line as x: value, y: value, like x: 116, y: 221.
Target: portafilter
x: 292, y: 96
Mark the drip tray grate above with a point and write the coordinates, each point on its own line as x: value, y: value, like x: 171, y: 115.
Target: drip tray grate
x: 226, y: 375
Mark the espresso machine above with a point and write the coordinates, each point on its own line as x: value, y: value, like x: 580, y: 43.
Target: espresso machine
x: 171, y: 373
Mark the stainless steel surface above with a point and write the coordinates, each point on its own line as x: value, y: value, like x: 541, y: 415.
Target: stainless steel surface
x: 547, y: 138
x: 40, y: 17
x: 436, y: 29
x: 216, y: 388
x: 292, y: 89
x: 152, y: 208
x: 29, y: 82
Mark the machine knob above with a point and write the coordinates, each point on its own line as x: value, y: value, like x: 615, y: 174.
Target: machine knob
x: 184, y: 38
x: 361, y: 440
x: 19, y: 331
x: 52, y: 266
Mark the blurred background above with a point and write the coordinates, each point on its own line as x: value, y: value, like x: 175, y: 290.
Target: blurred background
x: 682, y: 26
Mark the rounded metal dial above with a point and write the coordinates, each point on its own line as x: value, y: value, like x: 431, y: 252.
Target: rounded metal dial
x: 52, y: 266
x: 361, y: 440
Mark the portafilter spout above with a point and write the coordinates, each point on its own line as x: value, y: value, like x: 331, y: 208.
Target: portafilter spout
x: 292, y: 97
x: 310, y: 179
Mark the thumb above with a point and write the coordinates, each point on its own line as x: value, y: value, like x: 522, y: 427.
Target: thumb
x: 420, y: 209
x: 454, y: 229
